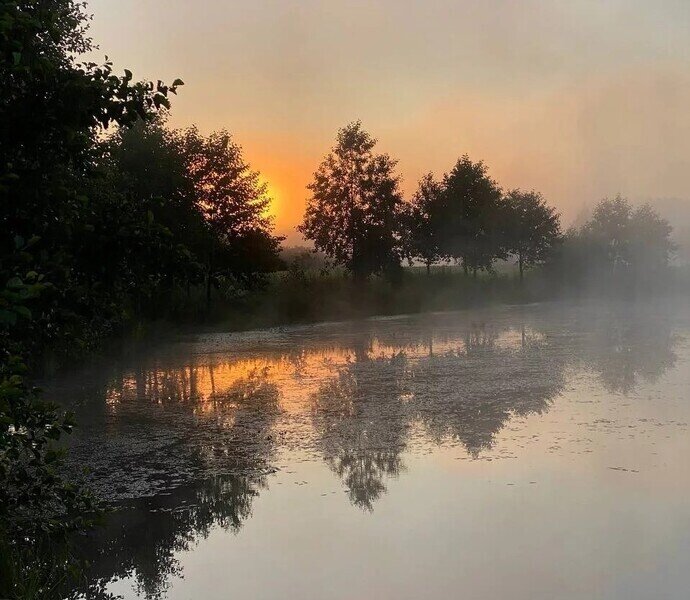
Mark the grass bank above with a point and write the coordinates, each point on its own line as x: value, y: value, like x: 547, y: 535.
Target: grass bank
x: 304, y: 297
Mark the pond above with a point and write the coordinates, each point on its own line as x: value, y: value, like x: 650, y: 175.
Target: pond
x: 526, y: 452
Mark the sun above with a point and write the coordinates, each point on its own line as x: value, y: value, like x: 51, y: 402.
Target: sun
x: 274, y: 194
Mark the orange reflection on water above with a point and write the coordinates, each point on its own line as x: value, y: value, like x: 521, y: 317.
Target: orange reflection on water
x: 223, y: 382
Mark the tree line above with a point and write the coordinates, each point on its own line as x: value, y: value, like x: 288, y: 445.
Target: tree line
x: 358, y: 217
x: 107, y: 215
x: 151, y: 214
x: 357, y: 214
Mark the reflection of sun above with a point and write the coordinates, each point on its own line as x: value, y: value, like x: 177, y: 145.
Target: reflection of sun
x: 296, y: 375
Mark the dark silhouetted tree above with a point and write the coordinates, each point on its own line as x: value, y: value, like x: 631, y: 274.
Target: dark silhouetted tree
x: 422, y: 239
x: 470, y: 216
x: 51, y: 112
x: 145, y: 219
x: 234, y: 203
x: 530, y: 228
x: 355, y: 212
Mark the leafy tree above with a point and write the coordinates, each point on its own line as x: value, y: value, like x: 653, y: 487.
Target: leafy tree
x: 142, y: 217
x: 234, y: 204
x: 355, y: 211
x: 51, y: 112
x: 51, y: 109
x: 651, y: 246
x: 625, y: 239
x: 619, y: 246
x: 422, y: 240
x: 531, y: 228
x: 469, y: 217
x: 608, y: 232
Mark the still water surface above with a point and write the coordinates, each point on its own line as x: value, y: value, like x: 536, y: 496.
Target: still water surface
x: 533, y: 452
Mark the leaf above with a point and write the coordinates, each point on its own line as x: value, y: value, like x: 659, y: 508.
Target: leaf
x: 7, y: 317
x: 15, y: 283
x: 23, y: 311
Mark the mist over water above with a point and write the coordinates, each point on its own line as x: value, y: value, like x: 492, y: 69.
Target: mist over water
x: 535, y: 451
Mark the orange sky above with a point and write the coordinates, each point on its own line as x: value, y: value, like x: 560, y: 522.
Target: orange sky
x: 578, y: 99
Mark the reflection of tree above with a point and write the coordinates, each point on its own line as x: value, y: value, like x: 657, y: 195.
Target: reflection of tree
x: 465, y: 393
x: 360, y: 421
x: 141, y: 540
x: 468, y: 395
x: 205, y: 435
x: 628, y: 348
x: 164, y: 432
x: 479, y: 338
x: 364, y: 471
x: 243, y: 418
x: 223, y: 445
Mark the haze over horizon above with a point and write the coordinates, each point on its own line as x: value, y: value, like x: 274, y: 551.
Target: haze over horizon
x: 578, y: 100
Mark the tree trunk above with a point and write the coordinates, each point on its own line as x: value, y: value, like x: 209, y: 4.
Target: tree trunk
x: 208, y: 281
x: 428, y: 268
x: 521, y: 266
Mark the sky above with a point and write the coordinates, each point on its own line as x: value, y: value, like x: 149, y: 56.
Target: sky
x: 577, y: 99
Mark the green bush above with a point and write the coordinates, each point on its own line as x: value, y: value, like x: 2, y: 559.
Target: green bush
x: 39, y: 510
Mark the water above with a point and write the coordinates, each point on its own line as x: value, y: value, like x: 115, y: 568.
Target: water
x: 531, y: 452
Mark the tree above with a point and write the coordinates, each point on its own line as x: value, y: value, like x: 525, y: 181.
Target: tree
x: 51, y: 108
x: 625, y: 239
x: 608, y: 233
x: 531, y: 228
x: 421, y: 239
x: 234, y: 203
x: 51, y: 113
x: 185, y: 208
x: 355, y: 213
x: 618, y: 248
x: 144, y: 218
x: 651, y: 246
x: 469, y: 217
